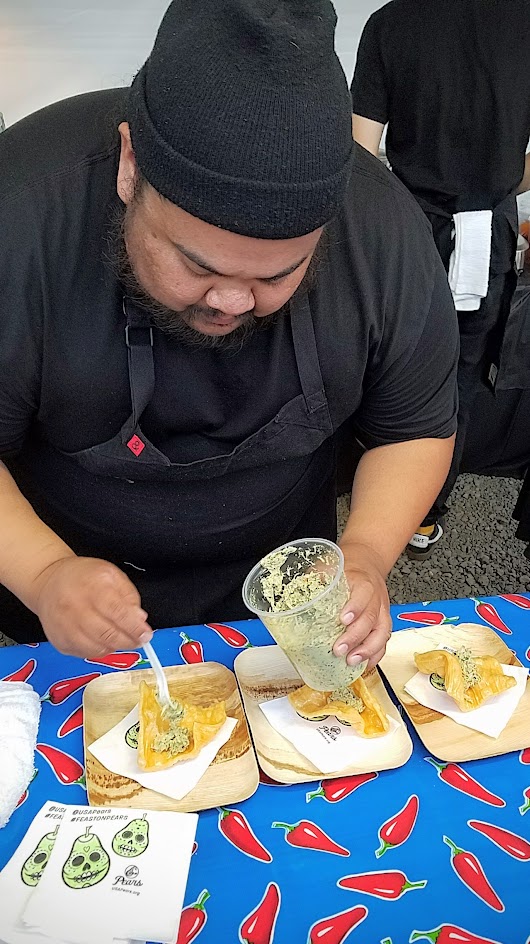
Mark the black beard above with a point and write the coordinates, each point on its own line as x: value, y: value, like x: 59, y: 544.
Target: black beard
x: 179, y: 325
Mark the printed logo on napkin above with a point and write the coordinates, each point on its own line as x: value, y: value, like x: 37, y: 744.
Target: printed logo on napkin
x: 327, y: 743
x: 490, y: 718
x: 114, y: 874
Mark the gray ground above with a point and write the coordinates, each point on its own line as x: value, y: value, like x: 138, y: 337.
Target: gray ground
x: 478, y: 555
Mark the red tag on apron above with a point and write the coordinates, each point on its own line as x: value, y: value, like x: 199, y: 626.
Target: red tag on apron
x: 136, y: 445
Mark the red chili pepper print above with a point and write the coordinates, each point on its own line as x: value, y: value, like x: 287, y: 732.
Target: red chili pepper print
x: 192, y: 919
x: 450, y: 934
x: 60, y: 691
x: 514, y: 845
x: 66, y: 768
x: 25, y: 795
x: 470, y: 872
x: 120, y: 660
x: 427, y: 618
x: 489, y: 614
x: 333, y: 791
x: 524, y: 756
x: 386, y: 885
x: 22, y: 799
x: 235, y: 827
x: 24, y: 673
x: 522, y: 602
x: 191, y: 650
x: 230, y: 635
x: 194, y: 848
x: 258, y: 926
x: 398, y: 828
x: 307, y: 835
x: 455, y: 776
x: 526, y: 805
x: 73, y: 722
x: 336, y: 928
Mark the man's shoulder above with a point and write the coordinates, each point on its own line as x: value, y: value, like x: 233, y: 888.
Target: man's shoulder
x: 393, y: 12
x: 58, y: 139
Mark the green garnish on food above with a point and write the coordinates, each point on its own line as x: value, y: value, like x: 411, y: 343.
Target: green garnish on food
x: 177, y: 738
x: 175, y: 741
x: 348, y: 697
x: 468, y: 666
x: 173, y: 712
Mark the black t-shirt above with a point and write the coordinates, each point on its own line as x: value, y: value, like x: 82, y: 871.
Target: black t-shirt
x: 382, y: 312
x: 451, y: 78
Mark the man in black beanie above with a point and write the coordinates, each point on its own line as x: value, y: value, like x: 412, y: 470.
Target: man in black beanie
x: 176, y: 357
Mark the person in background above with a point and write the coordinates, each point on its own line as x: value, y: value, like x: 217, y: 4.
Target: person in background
x: 449, y: 79
x: 196, y: 295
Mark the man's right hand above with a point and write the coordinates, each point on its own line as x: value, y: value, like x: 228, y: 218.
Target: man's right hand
x: 89, y: 608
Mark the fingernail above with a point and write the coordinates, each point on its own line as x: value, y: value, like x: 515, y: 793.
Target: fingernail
x: 347, y: 619
x: 341, y: 650
x: 354, y: 660
x: 145, y: 637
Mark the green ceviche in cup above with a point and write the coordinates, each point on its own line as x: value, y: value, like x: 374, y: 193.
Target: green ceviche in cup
x: 298, y: 592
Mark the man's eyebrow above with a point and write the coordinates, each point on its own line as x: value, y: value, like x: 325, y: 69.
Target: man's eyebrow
x: 194, y: 257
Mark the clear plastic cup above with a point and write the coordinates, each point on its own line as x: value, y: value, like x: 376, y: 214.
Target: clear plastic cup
x: 308, y: 631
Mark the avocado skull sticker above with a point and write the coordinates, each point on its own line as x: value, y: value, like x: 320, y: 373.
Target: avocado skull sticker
x: 133, y: 839
x: 87, y: 864
x: 38, y: 860
x: 131, y: 736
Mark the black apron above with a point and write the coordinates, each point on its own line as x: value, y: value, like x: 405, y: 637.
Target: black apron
x: 486, y: 327
x: 193, y: 568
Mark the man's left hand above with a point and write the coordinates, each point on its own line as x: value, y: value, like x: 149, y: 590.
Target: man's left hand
x: 366, y: 615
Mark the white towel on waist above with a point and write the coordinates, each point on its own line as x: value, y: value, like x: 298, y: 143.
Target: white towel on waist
x: 19, y: 722
x: 470, y: 260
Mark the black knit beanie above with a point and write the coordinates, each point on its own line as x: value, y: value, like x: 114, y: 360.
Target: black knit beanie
x: 242, y: 115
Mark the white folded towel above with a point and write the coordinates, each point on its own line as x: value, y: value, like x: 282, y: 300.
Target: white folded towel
x: 470, y: 260
x: 19, y: 722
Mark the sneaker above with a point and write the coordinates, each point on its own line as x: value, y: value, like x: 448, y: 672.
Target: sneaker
x: 423, y: 542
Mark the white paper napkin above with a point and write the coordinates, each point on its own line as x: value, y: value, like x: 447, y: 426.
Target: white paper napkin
x: 14, y: 892
x: 113, y: 751
x: 30, y: 858
x: 329, y: 745
x: 491, y: 718
x: 114, y: 874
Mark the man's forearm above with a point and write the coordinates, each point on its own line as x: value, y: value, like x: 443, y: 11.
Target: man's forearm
x: 27, y: 545
x: 393, y: 490
x: 525, y: 182
x: 367, y: 133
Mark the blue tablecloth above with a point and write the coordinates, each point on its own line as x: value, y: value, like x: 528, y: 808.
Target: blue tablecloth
x: 305, y: 880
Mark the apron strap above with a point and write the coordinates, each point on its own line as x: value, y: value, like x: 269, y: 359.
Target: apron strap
x: 139, y: 341
x: 305, y: 348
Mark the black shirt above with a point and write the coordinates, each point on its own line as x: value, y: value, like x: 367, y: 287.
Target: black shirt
x: 382, y: 312
x: 451, y: 78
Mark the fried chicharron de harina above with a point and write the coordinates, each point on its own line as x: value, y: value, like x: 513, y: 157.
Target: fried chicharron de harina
x: 353, y: 705
x: 166, y: 737
x: 469, y: 679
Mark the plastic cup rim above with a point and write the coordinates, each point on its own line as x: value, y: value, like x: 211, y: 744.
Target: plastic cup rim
x: 276, y: 614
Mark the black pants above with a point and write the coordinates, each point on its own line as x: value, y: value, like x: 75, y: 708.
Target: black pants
x: 481, y: 334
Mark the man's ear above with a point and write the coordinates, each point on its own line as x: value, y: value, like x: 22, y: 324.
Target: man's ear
x: 127, y: 166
